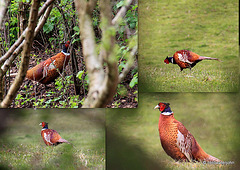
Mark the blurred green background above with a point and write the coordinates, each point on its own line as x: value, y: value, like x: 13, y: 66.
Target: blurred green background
x: 212, y: 118
x: 208, y: 28
x: 22, y: 147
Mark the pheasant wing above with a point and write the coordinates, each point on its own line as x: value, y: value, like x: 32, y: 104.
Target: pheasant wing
x: 184, y: 142
x: 54, y: 136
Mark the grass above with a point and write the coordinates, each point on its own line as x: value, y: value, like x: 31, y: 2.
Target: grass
x: 22, y: 146
x: 206, y: 28
x: 212, y: 118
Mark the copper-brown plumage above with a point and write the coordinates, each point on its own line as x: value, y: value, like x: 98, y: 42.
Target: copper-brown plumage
x: 47, y: 71
x: 50, y: 136
x: 186, y: 59
x: 177, y: 141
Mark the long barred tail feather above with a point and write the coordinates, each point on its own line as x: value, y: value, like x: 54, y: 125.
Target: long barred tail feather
x: 212, y: 159
x: 208, y: 58
x: 63, y: 141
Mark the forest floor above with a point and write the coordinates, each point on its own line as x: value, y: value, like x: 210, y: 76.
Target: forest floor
x: 61, y: 94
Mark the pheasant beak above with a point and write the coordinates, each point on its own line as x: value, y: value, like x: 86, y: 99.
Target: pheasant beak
x: 40, y: 124
x: 157, y: 107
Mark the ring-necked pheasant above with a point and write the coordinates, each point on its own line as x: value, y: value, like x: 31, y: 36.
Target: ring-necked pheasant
x: 46, y: 71
x: 50, y: 136
x: 186, y: 59
x: 176, y: 140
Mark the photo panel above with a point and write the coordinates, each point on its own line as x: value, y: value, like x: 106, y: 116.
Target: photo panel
x: 198, y: 37
x: 133, y: 138
x: 52, y: 139
x: 69, y: 54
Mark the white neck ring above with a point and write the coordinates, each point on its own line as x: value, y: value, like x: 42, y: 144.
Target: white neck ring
x: 167, y: 113
x: 65, y: 53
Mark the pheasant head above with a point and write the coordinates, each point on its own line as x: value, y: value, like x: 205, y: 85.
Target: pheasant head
x: 44, y: 125
x: 65, y: 47
x: 164, y: 108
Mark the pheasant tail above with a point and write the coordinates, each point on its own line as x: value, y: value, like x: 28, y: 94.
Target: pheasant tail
x: 63, y: 141
x: 208, y: 58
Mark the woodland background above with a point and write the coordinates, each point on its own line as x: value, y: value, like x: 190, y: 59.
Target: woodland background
x: 62, y: 24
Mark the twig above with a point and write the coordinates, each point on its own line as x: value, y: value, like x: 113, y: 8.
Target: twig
x: 121, y: 13
x: 3, y: 9
x: 21, y: 38
x: 129, y: 64
x: 25, y: 55
x: 9, y: 61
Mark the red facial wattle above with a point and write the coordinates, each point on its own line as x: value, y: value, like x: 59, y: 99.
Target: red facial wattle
x: 166, y: 61
x: 162, y: 107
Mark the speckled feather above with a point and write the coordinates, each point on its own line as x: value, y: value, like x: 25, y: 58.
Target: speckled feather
x: 46, y: 71
x: 50, y: 136
x: 176, y: 140
x: 186, y: 59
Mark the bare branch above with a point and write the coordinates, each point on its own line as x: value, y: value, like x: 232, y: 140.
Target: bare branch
x: 102, y: 85
x: 122, y: 12
x: 25, y: 55
x: 93, y: 63
x: 3, y: 8
x: 40, y: 25
x: 116, y: 21
x: 44, y: 7
x: 129, y: 64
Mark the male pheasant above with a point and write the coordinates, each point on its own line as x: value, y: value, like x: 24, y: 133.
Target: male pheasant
x: 50, y: 136
x: 177, y: 141
x: 47, y: 71
x: 186, y: 59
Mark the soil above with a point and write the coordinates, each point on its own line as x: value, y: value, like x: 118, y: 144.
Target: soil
x: 36, y: 95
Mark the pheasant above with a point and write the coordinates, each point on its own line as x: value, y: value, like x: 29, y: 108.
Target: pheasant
x: 177, y: 141
x: 47, y: 71
x: 186, y: 59
x: 50, y: 136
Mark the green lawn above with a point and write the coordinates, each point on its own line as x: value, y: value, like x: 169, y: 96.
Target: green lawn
x: 212, y: 118
x: 208, y: 28
x: 22, y: 146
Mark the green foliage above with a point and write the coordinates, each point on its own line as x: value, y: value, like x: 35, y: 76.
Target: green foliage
x: 121, y: 90
x: 83, y: 77
x: 116, y: 104
x: 75, y: 36
x: 48, y: 27
x: 134, y: 81
x: 55, y: 23
x: 130, y: 20
x: 13, y: 26
x: 132, y: 17
x: 54, y: 31
x: 56, y: 98
x: 79, y: 74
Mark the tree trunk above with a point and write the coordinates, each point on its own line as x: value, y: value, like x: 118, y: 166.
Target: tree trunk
x: 102, y: 84
x: 25, y: 55
x: 73, y: 57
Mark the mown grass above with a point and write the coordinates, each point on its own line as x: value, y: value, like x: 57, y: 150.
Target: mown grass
x: 208, y: 28
x: 212, y: 118
x: 22, y: 146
